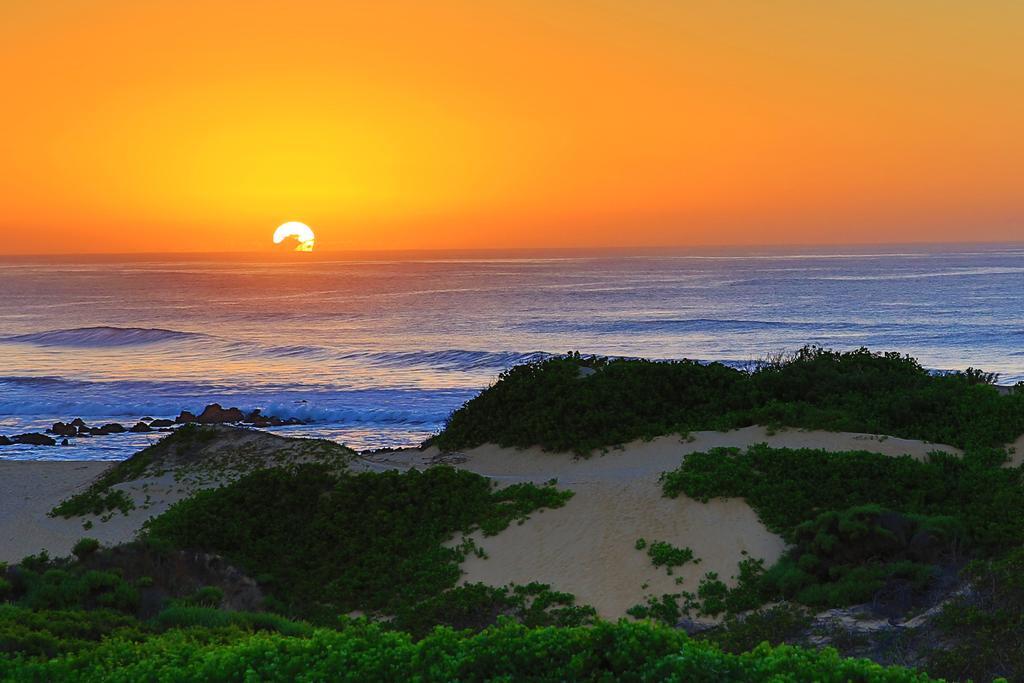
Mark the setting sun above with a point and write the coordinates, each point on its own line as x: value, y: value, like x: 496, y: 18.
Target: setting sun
x: 300, y: 232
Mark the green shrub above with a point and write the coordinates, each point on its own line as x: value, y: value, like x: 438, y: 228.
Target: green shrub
x: 506, y: 652
x: 207, y: 596
x: 327, y: 544
x: 773, y: 625
x: 191, y: 616
x: 477, y: 606
x: 858, y: 522
x: 62, y: 589
x: 85, y: 548
x: 664, y: 609
x: 49, y: 633
x: 981, y: 501
x: 552, y: 405
x: 664, y: 554
x: 982, y: 629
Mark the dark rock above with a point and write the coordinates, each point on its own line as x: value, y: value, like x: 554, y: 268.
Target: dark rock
x: 65, y: 442
x: 111, y: 428
x: 140, y: 427
x: 156, y: 424
x: 78, y: 422
x: 35, y: 440
x: 254, y: 417
x: 215, y: 414
x: 185, y: 417
x: 61, y: 429
x: 145, y: 419
x: 4, y: 441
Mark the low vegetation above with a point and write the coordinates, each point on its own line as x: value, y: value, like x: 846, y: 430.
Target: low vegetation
x: 861, y: 526
x: 983, y: 501
x: 664, y: 554
x: 982, y: 628
x: 323, y: 544
x: 362, y: 652
x: 581, y: 404
x: 204, y: 455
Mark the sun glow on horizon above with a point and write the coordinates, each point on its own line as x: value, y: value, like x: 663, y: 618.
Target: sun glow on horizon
x: 509, y: 124
x: 301, y: 232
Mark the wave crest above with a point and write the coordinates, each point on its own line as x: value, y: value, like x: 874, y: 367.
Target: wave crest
x: 102, y: 336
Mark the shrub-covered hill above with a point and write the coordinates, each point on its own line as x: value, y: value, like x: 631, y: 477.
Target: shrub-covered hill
x: 581, y: 404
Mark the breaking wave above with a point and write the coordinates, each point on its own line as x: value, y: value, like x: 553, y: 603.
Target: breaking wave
x: 98, y: 337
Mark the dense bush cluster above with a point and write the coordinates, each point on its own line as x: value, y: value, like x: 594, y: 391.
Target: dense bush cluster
x: 49, y: 633
x: 324, y: 544
x: 787, y: 487
x: 580, y: 404
x: 476, y: 606
x: 983, y: 629
x: 858, y: 521
x: 40, y: 583
x: 364, y: 652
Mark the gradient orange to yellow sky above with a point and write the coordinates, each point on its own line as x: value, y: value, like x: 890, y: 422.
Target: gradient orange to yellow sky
x: 200, y: 126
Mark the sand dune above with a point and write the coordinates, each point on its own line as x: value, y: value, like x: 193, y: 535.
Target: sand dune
x: 586, y: 548
x: 28, y: 490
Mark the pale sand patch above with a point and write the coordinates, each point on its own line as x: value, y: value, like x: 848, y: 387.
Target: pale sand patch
x: 29, y: 490
x: 1016, y: 452
x: 641, y: 458
x: 588, y: 547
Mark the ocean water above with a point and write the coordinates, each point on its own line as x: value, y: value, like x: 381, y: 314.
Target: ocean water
x: 377, y: 350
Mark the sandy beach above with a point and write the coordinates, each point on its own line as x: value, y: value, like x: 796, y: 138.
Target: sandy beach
x: 586, y: 548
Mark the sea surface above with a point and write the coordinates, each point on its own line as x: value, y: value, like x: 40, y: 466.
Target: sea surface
x: 377, y: 350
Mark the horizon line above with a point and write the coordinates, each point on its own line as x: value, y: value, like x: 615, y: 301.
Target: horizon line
x: 526, y: 249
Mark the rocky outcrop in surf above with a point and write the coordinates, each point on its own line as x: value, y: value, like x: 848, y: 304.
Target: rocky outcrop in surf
x: 31, y: 439
x: 216, y: 414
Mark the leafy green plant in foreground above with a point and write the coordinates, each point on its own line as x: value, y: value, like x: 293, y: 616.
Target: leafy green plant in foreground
x: 363, y: 652
x: 44, y: 584
x: 476, y: 606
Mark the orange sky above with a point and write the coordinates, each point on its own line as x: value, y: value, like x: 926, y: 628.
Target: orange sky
x: 194, y: 126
